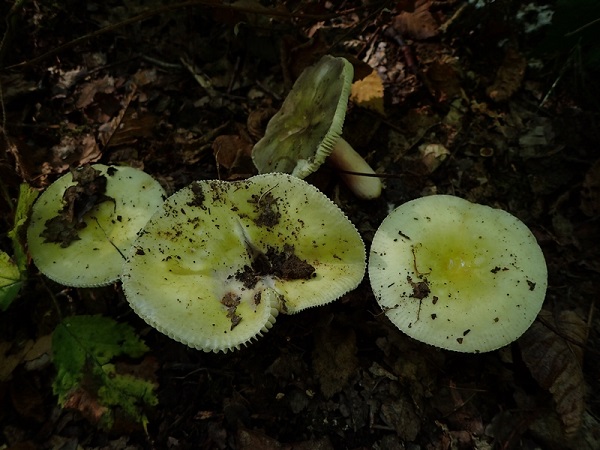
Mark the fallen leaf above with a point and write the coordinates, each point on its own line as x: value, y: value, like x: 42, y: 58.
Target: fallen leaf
x: 443, y: 80
x: 127, y: 128
x: 552, y: 349
x: 233, y: 153
x: 89, y: 90
x: 368, y: 93
x: 74, y: 151
x: 78, y: 199
x: 38, y: 356
x: 257, y: 121
x: 87, y: 380
x: 87, y: 404
x: 509, y: 76
x: 432, y: 155
x: 418, y: 23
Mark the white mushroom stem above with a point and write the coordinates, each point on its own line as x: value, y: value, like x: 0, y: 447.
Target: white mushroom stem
x: 346, y: 159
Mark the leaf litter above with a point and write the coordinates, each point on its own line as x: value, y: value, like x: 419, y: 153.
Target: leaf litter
x: 185, y: 95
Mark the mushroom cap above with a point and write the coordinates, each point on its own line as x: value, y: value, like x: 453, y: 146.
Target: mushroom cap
x: 457, y: 275
x: 303, y: 132
x: 95, y: 259
x: 214, y: 266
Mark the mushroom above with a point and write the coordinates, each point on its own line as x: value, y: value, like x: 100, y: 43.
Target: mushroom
x: 457, y: 275
x: 83, y: 223
x: 308, y: 127
x: 217, y: 263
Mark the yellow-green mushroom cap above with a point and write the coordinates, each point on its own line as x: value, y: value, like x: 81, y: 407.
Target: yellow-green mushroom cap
x: 95, y: 256
x: 217, y: 263
x: 457, y: 275
x: 301, y: 135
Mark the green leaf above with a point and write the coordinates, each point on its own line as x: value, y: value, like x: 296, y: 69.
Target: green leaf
x: 127, y: 392
x: 27, y: 196
x: 84, y: 348
x: 13, y: 272
x: 10, y: 281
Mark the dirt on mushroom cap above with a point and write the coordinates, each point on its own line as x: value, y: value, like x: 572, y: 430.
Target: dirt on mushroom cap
x: 272, y: 242
x: 103, y: 212
x: 457, y: 275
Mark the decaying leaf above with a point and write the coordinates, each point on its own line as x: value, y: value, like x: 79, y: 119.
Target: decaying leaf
x: 432, y: 155
x: 509, y: 76
x: 257, y: 121
x: 232, y: 152
x: 89, y: 90
x: 127, y: 128
x: 74, y: 150
x: 78, y: 200
x: 368, y: 92
x: 443, y: 80
x: 86, y: 380
x: 552, y: 350
x: 418, y: 23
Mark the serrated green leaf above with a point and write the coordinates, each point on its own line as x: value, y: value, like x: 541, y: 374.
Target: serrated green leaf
x: 27, y: 196
x: 84, y: 348
x: 127, y: 392
x: 10, y: 281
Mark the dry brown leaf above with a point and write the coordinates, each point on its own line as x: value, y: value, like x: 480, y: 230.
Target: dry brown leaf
x: 509, y: 76
x: 87, y: 404
x: 127, y: 129
x: 443, y: 80
x: 89, y: 90
x: 368, y: 93
x: 257, y: 121
x: 419, y: 23
x: 552, y: 349
x: 74, y: 151
x: 233, y: 153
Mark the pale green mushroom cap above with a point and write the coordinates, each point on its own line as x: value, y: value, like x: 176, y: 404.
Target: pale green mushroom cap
x: 457, y: 275
x: 220, y: 260
x: 301, y: 135
x: 95, y: 259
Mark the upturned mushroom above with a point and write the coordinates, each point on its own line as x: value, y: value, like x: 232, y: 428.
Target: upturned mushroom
x: 219, y: 260
x: 83, y: 223
x: 307, y: 129
x: 457, y: 275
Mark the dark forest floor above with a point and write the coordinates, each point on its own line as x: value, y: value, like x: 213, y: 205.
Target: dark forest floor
x: 455, y: 100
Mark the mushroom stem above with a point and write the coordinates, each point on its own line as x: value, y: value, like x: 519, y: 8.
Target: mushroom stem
x: 346, y: 159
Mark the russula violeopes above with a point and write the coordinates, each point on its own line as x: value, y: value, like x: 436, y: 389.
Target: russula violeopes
x: 219, y: 260
x: 83, y: 223
x: 308, y: 127
x: 457, y: 275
